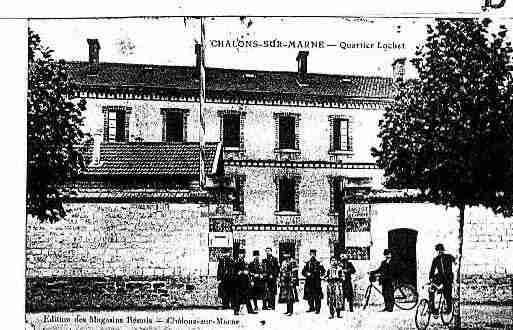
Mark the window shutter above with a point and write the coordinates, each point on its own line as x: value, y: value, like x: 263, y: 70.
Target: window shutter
x: 287, y: 134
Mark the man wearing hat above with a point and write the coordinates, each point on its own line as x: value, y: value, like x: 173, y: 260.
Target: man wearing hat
x: 347, y: 284
x: 241, y: 284
x: 313, y: 272
x: 387, y: 272
x: 289, y: 281
x: 271, y: 269
x: 256, y: 275
x: 441, y: 273
x: 224, y: 277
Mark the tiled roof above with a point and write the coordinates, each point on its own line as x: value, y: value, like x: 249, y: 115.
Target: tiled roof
x: 152, y: 159
x: 230, y: 80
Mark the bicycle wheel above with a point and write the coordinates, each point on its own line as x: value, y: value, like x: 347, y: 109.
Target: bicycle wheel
x: 446, y: 317
x: 422, y: 315
x: 406, y: 296
x: 367, y: 296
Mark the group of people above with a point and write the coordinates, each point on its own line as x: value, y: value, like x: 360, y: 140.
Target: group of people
x: 242, y: 283
x: 246, y: 283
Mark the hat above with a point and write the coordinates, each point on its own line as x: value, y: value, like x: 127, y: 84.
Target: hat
x: 387, y: 251
x: 313, y: 251
x: 268, y: 248
x: 256, y: 253
x: 343, y: 256
x: 242, y: 251
x: 439, y: 247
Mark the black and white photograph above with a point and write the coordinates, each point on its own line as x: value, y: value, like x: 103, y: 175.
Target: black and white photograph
x: 279, y: 172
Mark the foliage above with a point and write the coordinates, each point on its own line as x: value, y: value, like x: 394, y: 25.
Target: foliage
x: 53, y: 131
x: 449, y: 133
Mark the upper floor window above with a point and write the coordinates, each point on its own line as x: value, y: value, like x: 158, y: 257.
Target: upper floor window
x: 288, y: 188
x: 231, y: 130
x: 340, y: 134
x: 174, y: 125
x: 116, y: 123
x: 238, y: 200
x: 287, y: 129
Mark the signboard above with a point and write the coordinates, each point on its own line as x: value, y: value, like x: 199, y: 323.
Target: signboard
x: 359, y: 210
x: 220, y: 225
x: 220, y: 239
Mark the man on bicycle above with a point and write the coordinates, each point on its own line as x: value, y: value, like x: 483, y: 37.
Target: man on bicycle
x: 441, y: 274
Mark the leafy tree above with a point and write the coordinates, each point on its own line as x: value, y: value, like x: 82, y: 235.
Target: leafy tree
x: 53, y: 131
x: 449, y: 132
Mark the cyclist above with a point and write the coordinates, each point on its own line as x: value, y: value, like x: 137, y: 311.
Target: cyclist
x: 388, y: 274
x: 441, y: 274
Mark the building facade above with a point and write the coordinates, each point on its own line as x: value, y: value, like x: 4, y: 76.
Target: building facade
x: 293, y: 144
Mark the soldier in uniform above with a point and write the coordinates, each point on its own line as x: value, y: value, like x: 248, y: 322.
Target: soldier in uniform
x: 271, y: 270
x: 347, y: 271
x: 241, y: 284
x: 313, y: 272
x: 256, y: 275
x: 224, y: 278
x: 289, y: 281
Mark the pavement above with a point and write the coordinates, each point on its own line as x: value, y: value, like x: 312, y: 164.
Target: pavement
x: 474, y: 317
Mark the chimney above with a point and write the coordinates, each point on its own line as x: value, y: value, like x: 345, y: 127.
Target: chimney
x: 398, y: 69
x: 94, y: 51
x: 197, y: 51
x: 302, y: 63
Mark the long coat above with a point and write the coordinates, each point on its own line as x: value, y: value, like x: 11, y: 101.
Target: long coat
x: 347, y: 270
x: 256, y: 275
x: 271, y: 269
x: 240, y: 282
x: 335, y: 289
x: 313, y: 272
x: 224, y: 276
x: 289, y: 281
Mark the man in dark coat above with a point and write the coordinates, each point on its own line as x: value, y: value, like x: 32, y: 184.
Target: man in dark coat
x: 441, y: 274
x: 289, y: 281
x: 224, y: 278
x: 388, y: 274
x: 271, y: 269
x: 347, y: 271
x: 256, y: 275
x: 313, y: 272
x: 241, y: 284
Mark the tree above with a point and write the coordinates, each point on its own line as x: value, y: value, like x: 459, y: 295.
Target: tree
x: 449, y: 132
x: 53, y: 131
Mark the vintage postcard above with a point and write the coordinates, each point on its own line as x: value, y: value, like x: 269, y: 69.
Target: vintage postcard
x: 270, y: 172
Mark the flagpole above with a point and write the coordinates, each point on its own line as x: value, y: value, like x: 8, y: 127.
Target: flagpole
x: 202, y: 106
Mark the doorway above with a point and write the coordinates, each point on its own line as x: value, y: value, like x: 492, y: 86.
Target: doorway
x: 403, y: 243
x: 287, y: 247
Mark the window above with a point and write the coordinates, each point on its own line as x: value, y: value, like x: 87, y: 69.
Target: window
x: 116, y: 123
x: 231, y: 130
x: 335, y: 193
x: 340, y: 134
x: 287, y: 194
x: 287, y: 132
x: 174, y: 125
x: 238, y: 201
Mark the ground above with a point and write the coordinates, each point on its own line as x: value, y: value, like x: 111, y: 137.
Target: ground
x: 474, y: 317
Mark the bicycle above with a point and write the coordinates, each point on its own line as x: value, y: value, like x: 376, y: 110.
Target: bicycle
x: 424, y: 312
x: 405, y: 295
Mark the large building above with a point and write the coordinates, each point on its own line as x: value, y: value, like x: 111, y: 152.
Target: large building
x: 293, y: 142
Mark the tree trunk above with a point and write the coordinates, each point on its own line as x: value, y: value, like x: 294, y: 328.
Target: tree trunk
x: 457, y: 300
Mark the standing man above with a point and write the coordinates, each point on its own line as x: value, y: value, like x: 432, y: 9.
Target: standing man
x: 347, y: 271
x: 387, y: 277
x: 224, y: 277
x: 256, y: 274
x: 271, y: 270
x: 289, y: 281
x: 241, y: 284
x: 441, y: 273
x: 313, y: 272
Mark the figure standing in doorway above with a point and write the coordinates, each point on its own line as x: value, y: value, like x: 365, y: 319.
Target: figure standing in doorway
x: 289, y: 281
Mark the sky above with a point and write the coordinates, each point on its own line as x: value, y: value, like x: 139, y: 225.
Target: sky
x: 170, y: 41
